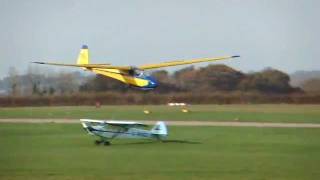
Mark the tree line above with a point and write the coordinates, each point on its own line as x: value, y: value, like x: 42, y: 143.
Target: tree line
x: 218, y: 84
x: 209, y: 79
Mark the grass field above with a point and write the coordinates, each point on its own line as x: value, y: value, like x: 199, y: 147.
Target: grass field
x: 257, y: 113
x: 65, y: 151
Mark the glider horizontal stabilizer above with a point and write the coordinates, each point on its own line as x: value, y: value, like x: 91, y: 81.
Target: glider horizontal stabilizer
x: 103, y: 66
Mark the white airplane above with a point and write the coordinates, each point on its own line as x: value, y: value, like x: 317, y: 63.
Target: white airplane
x: 108, y: 130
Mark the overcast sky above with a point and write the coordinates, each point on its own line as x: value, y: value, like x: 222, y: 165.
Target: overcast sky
x: 282, y: 34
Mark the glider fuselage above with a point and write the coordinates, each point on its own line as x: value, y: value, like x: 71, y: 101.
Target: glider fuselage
x: 136, y: 79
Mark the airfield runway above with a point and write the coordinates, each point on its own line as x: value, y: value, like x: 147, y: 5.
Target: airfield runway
x: 181, y: 123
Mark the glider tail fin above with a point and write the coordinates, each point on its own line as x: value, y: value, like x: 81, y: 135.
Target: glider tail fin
x: 160, y: 129
x: 83, y: 57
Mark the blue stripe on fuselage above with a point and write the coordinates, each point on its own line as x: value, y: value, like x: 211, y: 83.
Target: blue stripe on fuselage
x: 143, y: 134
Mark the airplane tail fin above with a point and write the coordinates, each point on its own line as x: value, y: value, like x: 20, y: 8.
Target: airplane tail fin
x: 83, y: 57
x: 160, y: 129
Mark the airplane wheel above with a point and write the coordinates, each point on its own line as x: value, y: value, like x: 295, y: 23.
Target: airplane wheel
x: 97, y: 142
x: 107, y: 143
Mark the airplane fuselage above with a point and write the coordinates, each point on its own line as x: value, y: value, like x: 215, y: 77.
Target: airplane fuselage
x: 108, y: 130
x: 107, y: 133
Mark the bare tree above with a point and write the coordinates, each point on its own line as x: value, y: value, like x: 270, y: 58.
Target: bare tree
x: 66, y: 83
x: 14, y: 81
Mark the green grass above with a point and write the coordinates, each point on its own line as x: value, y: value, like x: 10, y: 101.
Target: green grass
x: 64, y: 151
x: 265, y: 113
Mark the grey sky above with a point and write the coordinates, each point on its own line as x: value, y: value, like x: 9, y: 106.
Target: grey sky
x: 283, y: 34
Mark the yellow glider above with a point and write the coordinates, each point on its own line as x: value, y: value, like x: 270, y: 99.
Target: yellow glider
x: 131, y: 75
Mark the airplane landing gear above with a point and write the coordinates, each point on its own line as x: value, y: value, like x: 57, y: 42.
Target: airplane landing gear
x: 98, y: 142
x: 106, y: 143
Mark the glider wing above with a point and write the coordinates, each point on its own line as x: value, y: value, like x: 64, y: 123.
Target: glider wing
x: 182, y: 62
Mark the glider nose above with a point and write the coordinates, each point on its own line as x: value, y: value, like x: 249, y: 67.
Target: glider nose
x: 152, y: 83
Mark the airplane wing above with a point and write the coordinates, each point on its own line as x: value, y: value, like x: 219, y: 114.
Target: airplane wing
x: 123, y: 124
x: 105, y: 66
x: 126, y: 124
x: 182, y: 62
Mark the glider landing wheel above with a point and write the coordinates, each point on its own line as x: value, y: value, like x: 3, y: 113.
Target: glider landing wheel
x: 107, y: 143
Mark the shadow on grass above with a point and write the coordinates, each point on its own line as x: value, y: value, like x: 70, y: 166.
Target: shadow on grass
x: 181, y: 141
x: 164, y: 141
